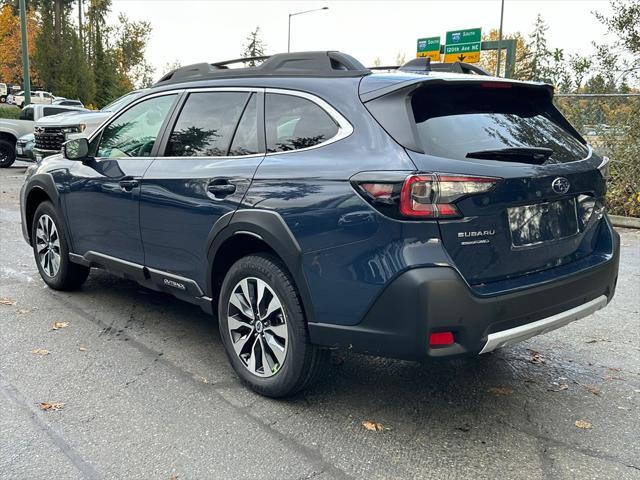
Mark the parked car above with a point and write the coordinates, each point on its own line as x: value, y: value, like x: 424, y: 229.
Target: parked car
x: 38, y: 97
x: 52, y: 132
x: 313, y: 204
x: 67, y: 101
x: 24, y: 148
x: 11, y: 130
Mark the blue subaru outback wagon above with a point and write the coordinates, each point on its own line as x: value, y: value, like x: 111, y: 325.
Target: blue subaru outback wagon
x: 312, y: 203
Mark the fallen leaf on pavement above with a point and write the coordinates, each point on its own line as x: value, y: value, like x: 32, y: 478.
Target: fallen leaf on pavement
x: 82, y: 349
x: 500, y: 391
x: 373, y: 426
x: 6, y: 301
x: 22, y: 311
x: 174, y: 477
x: 592, y: 389
x: 59, y: 325
x: 40, y: 351
x: 583, y: 424
x: 558, y: 387
x: 536, y: 358
x: 54, y: 407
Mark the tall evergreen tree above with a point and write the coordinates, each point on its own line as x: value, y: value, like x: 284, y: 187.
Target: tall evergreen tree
x: 254, y: 47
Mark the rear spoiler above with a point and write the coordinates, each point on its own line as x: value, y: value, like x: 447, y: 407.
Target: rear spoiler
x: 391, y: 105
x: 408, y: 86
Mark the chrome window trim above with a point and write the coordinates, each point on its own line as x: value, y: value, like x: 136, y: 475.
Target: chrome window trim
x: 344, y: 127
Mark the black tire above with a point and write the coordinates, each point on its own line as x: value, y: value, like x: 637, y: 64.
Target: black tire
x: 3, y: 99
x: 7, y: 153
x: 302, y: 360
x: 68, y: 276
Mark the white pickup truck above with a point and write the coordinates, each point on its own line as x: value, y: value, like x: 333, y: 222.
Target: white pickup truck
x: 52, y: 132
x: 12, y: 129
x: 38, y: 97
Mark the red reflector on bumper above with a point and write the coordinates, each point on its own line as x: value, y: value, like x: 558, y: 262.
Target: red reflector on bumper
x: 440, y: 339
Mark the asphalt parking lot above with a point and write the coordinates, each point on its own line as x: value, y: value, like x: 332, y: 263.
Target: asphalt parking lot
x: 148, y: 393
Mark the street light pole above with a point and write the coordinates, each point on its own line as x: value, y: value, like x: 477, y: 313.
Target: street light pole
x: 25, y: 53
x: 293, y: 15
x: 500, y: 40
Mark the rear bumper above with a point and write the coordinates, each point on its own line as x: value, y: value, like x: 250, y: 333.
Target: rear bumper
x: 425, y: 300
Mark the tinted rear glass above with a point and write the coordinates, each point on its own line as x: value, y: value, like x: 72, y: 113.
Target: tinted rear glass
x: 455, y: 120
x: 294, y: 122
x: 26, y: 113
x: 47, y: 111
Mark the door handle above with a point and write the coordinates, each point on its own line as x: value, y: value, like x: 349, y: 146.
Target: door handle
x: 129, y: 184
x: 221, y: 189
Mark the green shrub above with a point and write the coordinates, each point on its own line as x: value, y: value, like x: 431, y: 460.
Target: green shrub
x: 9, y: 111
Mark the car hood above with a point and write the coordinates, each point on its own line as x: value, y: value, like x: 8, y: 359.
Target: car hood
x: 73, y: 117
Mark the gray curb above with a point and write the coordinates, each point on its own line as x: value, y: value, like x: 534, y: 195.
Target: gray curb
x: 628, y: 222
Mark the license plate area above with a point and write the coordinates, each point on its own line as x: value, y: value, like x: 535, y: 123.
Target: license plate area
x: 543, y: 222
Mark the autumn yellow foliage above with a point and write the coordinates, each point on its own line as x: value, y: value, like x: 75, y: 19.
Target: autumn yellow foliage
x: 10, y: 48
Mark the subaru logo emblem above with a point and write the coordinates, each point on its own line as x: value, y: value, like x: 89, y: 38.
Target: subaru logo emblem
x: 560, y: 185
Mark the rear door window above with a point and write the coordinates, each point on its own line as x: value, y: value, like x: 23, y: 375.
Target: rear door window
x: 245, y: 140
x: 294, y: 122
x: 454, y: 121
x: 26, y: 114
x: 206, y: 124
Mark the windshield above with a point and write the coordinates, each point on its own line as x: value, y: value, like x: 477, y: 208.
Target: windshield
x: 120, y: 102
x: 454, y: 121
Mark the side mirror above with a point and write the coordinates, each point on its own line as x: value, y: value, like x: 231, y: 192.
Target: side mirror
x: 76, y: 149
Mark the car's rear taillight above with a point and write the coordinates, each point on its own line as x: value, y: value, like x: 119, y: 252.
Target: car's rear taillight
x: 425, y: 195
x: 420, y: 196
x: 435, y: 195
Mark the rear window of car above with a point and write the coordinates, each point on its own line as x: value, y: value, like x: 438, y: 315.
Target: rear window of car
x: 294, y: 122
x: 47, y: 111
x: 26, y: 114
x: 454, y: 121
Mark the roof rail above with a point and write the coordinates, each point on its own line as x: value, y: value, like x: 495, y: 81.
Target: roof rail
x: 320, y: 64
x: 425, y: 65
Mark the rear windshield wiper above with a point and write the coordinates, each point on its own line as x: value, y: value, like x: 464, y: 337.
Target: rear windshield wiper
x: 533, y: 155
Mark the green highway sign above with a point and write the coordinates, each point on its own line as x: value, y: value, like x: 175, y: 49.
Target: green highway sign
x: 463, y: 45
x: 429, y: 47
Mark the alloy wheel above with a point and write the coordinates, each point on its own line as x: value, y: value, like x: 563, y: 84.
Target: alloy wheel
x: 257, y: 326
x: 5, y: 153
x: 48, y: 245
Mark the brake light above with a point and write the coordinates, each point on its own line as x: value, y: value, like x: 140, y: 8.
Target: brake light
x: 441, y: 339
x: 434, y: 196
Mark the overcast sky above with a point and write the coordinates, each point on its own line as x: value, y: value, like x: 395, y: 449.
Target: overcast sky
x: 191, y: 31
